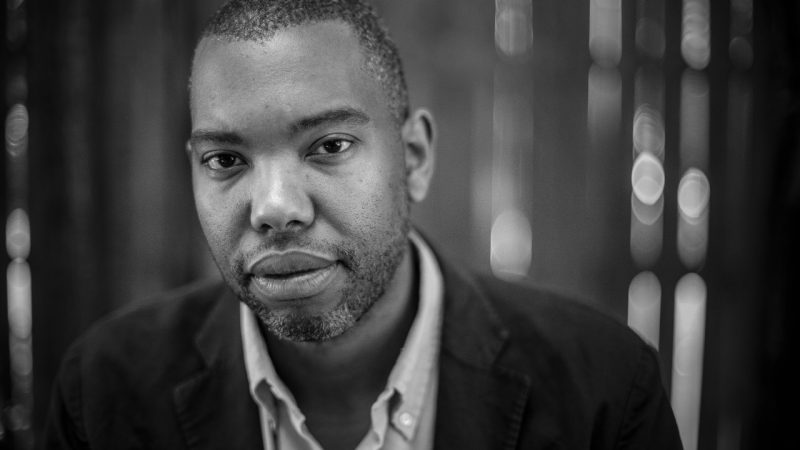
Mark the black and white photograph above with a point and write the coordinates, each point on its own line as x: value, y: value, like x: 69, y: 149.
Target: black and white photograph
x: 400, y: 225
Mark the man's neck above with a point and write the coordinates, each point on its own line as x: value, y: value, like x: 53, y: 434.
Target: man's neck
x: 349, y: 371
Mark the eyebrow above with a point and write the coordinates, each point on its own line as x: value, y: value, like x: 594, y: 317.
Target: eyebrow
x: 344, y: 115
x: 215, y: 137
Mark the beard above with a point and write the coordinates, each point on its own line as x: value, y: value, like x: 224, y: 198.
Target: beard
x: 369, y: 270
x: 369, y: 266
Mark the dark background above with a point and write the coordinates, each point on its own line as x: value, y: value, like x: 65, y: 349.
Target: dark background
x: 106, y: 186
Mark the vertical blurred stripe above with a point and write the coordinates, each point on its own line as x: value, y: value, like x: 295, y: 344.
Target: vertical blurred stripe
x: 693, y: 199
x: 687, y: 359
x: 694, y: 187
x: 647, y: 173
x: 511, y: 240
x: 18, y: 414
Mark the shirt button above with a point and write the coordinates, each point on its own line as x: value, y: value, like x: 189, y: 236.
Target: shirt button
x: 406, y: 419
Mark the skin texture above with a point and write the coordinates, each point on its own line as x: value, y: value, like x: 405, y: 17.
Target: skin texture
x: 294, y: 149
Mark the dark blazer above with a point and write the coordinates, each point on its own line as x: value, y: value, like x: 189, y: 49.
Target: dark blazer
x: 519, y: 368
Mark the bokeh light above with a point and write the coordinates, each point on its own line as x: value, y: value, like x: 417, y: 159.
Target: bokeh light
x: 513, y: 27
x: 605, y: 32
x: 696, y: 34
x: 694, y: 192
x: 647, y: 178
x: 644, y: 306
x: 511, y: 244
x: 18, y: 277
x: 18, y: 234
x: 16, y: 129
x: 648, y: 131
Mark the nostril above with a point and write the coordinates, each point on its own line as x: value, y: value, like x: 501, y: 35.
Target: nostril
x: 281, y: 216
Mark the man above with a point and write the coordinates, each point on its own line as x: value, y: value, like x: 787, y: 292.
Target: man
x: 351, y: 333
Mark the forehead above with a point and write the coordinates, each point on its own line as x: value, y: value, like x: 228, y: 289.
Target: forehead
x: 298, y: 71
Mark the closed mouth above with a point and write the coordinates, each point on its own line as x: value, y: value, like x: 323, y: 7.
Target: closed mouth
x: 294, y: 275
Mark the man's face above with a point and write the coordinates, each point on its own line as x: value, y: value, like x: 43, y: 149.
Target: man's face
x: 299, y: 177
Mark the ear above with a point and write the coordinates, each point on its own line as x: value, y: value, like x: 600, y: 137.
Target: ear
x: 419, y: 142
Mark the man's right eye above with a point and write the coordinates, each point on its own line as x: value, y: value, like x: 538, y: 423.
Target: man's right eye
x: 222, y: 161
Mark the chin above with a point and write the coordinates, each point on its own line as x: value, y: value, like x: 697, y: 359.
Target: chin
x: 304, y: 325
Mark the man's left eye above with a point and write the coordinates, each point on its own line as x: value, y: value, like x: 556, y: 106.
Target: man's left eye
x: 332, y: 147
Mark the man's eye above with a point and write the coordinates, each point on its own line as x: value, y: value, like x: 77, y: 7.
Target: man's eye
x: 332, y: 147
x: 222, y: 161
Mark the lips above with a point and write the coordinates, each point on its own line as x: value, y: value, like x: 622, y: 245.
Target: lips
x: 292, y: 275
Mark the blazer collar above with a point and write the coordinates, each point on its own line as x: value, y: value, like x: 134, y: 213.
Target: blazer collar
x: 480, y: 402
x: 214, y: 406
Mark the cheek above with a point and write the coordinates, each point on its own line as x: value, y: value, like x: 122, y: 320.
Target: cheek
x: 372, y: 199
x: 217, y: 219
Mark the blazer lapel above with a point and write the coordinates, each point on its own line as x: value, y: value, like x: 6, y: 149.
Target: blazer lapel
x: 480, y: 404
x: 214, y: 406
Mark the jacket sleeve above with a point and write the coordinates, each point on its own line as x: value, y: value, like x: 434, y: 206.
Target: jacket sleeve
x: 65, y: 428
x: 649, y: 421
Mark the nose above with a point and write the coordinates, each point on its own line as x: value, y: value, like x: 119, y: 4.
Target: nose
x: 279, y: 199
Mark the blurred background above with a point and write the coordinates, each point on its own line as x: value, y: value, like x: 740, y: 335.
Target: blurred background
x: 639, y: 153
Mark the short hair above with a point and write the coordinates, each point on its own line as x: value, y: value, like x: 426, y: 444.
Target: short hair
x: 259, y: 20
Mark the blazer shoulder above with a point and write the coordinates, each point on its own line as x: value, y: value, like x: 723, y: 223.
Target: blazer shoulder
x: 149, y: 334
x: 117, y: 379
x: 578, y: 334
x: 526, y: 308
x: 587, y: 356
x: 176, y: 311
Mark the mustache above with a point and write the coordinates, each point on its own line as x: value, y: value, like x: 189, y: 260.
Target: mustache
x: 284, y: 240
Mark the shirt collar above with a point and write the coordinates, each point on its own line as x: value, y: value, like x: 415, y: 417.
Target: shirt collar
x: 261, y: 373
x: 417, y: 363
